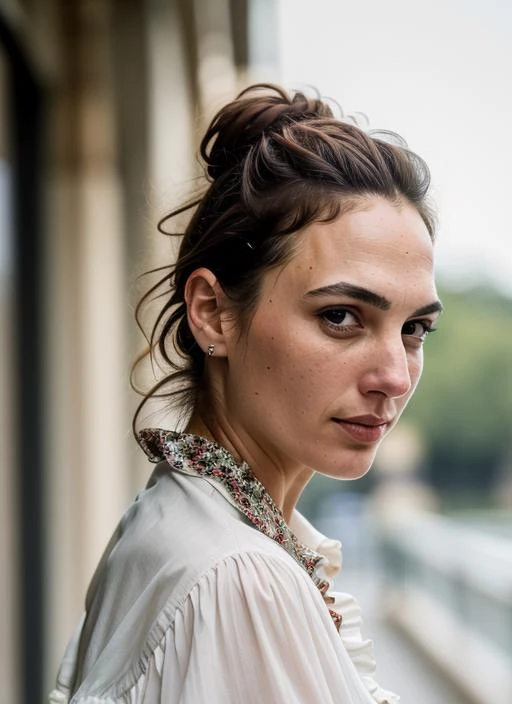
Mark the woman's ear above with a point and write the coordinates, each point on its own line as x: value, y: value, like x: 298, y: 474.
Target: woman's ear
x: 204, y: 298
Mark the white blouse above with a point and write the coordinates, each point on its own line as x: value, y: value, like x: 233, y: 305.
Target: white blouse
x: 190, y: 603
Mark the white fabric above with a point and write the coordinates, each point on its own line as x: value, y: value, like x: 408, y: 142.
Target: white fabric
x: 191, y: 604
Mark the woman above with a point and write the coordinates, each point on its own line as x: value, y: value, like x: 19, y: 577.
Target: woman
x: 292, y: 336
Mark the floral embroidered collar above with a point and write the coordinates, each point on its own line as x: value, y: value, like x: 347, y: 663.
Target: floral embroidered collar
x: 198, y: 456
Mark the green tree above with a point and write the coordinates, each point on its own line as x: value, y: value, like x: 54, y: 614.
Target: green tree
x: 464, y: 405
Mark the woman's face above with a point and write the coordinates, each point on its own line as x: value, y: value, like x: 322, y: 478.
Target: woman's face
x: 335, y: 348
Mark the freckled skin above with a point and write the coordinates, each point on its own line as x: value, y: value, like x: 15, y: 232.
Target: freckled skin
x: 279, y: 389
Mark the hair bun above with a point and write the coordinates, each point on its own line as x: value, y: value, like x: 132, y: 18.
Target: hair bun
x: 241, y: 123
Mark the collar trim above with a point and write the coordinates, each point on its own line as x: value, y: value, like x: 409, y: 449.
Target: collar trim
x: 198, y: 456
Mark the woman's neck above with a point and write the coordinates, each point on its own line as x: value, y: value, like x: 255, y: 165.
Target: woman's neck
x: 285, y: 487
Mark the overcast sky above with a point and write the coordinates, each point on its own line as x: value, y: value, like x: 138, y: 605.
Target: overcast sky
x: 440, y: 74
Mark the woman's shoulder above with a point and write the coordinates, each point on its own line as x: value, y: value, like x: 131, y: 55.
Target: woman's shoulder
x: 244, y: 594
x: 176, y: 530
x: 178, y: 538
x: 185, y: 523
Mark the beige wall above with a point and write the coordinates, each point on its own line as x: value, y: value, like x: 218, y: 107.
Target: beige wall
x: 128, y: 87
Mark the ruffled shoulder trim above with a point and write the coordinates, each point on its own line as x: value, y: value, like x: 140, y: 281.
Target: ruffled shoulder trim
x: 359, y: 649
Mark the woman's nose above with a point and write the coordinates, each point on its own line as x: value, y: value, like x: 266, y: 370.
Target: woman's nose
x: 389, y: 371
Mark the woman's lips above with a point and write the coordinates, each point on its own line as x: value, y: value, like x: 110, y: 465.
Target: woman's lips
x: 364, y: 429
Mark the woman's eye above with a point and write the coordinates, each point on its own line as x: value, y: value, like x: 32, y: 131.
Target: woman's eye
x: 418, y: 329
x: 339, y: 318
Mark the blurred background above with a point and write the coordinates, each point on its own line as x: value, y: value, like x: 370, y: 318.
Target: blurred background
x: 102, y: 104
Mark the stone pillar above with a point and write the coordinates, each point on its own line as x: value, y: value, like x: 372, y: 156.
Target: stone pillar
x: 88, y: 424
x: 9, y: 564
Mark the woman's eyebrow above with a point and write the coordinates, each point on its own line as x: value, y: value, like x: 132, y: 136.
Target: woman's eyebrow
x: 435, y: 307
x: 342, y: 288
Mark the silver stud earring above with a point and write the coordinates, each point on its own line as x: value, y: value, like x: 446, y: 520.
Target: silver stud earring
x: 211, y: 350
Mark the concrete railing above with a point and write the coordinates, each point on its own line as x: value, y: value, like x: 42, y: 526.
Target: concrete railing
x: 449, y: 587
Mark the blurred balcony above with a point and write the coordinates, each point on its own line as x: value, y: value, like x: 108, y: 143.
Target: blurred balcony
x: 436, y: 595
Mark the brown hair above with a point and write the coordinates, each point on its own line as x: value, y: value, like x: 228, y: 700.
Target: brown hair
x: 274, y: 163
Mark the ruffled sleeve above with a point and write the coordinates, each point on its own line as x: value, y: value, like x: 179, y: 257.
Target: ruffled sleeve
x: 253, y: 630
